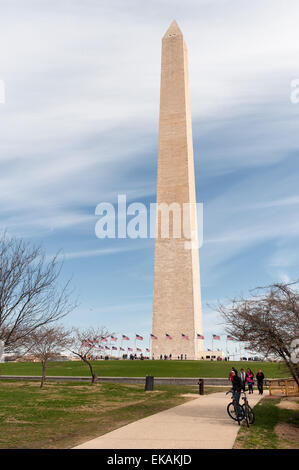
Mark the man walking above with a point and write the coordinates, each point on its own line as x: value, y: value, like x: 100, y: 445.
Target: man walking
x: 260, y: 381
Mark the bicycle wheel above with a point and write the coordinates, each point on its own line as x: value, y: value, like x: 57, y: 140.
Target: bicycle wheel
x: 250, y: 414
x: 233, y: 413
x: 246, y: 415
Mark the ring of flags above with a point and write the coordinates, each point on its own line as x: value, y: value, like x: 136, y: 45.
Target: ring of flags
x: 95, y: 342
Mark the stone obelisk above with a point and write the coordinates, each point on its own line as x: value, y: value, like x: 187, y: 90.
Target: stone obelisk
x: 177, y: 298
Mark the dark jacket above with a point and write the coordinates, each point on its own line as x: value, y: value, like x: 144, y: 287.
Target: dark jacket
x: 237, y: 384
x: 260, y: 377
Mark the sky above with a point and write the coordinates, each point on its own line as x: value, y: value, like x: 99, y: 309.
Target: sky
x: 80, y: 125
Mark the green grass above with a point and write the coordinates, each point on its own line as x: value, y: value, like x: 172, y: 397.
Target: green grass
x: 262, y: 434
x: 139, y: 368
x: 63, y: 415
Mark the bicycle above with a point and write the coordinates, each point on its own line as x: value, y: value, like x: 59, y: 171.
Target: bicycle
x: 234, y: 410
x: 247, y: 410
x: 247, y: 413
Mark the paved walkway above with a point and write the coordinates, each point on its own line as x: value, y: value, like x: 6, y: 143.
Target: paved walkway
x: 202, y: 423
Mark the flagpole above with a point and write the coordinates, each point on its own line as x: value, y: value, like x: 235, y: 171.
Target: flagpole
x: 212, y: 343
x: 121, y: 345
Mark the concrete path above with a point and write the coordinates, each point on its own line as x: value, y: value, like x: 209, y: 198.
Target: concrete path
x: 202, y: 423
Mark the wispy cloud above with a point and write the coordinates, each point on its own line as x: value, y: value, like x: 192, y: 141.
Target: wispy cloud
x: 100, y: 252
x: 74, y: 127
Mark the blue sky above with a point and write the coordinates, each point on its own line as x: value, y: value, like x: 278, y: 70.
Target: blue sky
x: 80, y: 125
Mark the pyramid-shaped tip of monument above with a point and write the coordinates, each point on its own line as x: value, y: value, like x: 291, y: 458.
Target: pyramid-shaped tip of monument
x: 173, y: 30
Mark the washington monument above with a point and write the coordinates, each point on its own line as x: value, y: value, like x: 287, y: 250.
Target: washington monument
x: 177, y: 319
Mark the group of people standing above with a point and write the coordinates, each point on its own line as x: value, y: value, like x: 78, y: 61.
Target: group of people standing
x: 247, y: 378
x: 239, y: 382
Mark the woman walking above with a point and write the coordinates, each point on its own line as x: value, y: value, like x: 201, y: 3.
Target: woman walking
x: 250, y: 380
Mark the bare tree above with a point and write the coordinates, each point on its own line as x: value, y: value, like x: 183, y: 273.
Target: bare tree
x: 47, y: 343
x: 30, y: 296
x: 268, y: 321
x: 86, y: 342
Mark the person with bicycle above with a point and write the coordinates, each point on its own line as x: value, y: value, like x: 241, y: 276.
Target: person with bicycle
x: 231, y: 373
x: 237, y: 387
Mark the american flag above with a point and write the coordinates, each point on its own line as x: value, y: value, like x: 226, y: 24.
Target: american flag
x: 138, y: 349
x: 153, y: 336
x: 125, y: 337
x: 216, y: 337
x: 85, y: 343
x: 101, y: 347
x: 185, y: 336
x: 114, y: 347
x: 130, y: 349
x: 106, y: 347
x: 147, y: 350
x: 230, y: 338
x: 95, y: 340
x: 247, y: 348
x: 200, y: 336
x: 113, y: 338
x: 104, y: 339
x: 121, y: 349
x: 139, y: 337
x: 168, y: 336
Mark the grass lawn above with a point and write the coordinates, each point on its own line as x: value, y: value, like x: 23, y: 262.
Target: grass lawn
x: 276, y: 426
x: 139, y: 368
x: 63, y: 415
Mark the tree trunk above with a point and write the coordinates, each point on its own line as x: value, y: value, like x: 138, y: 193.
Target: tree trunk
x: 44, y: 374
x: 293, y: 372
x: 94, y: 376
x: 290, y: 366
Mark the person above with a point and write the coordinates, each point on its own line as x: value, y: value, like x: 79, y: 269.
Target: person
x: 243, y: 378
x: 231, y: 373
x: 260, y: 381
x: 237, y: 387
x: 250, y: 380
